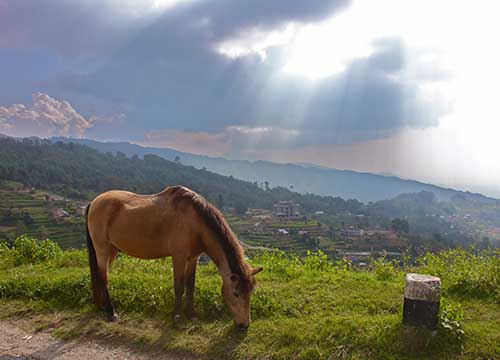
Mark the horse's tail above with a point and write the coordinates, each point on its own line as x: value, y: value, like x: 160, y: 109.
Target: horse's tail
x: 94, y: 275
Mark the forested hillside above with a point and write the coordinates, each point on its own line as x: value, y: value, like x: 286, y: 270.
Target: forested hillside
x: 78, y: 171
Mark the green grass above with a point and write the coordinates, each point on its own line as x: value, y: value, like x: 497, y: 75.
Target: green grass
x: 303, y: 308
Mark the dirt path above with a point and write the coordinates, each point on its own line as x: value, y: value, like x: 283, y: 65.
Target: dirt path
x: 19, y: 344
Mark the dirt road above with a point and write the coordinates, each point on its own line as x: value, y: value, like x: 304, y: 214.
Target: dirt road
x: 19, y: 344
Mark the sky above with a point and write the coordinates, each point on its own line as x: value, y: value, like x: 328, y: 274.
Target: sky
x: 390, y: 86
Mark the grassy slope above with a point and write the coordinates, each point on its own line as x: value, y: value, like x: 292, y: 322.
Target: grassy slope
x: 303, y: 309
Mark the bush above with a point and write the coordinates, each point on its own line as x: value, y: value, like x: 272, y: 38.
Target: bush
x: 27, y: 250
x: 384, y: 270
x: 466, y: 274
x: 317, y: 261
x: 278, y: 264
x: 6, y: 259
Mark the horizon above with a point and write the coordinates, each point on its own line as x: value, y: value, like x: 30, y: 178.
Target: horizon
x: 297, y: 83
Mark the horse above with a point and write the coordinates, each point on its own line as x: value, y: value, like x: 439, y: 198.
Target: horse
x: 176, y: 222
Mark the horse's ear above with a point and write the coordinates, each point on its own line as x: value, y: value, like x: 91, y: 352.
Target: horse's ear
x: 257, y: 270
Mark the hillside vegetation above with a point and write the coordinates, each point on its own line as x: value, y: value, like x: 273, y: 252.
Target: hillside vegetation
x: 80, y: 172
x: 303, y: 308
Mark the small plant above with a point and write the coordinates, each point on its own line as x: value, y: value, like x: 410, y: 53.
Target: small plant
x: 384, y: 270
x: 278, y: 264
x: 317, y: 261
x: 27, y: 250
x: 343, y: 265
x: 450, y: 325
x: 6, y: 259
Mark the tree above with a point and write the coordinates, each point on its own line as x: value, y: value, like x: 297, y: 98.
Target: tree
x: 240, y: 208
x: 220, y: 202
x: 400, y: 225
x: 27, y: 219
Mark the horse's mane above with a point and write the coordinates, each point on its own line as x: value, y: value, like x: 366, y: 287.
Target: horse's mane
x: 217, y: 223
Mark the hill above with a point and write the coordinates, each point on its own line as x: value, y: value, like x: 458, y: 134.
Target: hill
x: 303, y: 178
x: 78, y: 171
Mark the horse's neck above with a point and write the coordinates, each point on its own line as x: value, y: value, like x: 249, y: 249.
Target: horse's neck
x: 215, y: 251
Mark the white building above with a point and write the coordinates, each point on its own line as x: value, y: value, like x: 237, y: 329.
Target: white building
x: 287, y: 210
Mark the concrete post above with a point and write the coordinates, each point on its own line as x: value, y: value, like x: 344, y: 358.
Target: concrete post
x: 421, y: 300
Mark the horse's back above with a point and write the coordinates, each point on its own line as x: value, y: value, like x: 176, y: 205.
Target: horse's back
x: 140, y: 225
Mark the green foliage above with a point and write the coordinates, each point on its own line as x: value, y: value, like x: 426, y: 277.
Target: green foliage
x: 78, y: 171
x: 384, y: 270
x: 451, y: 318
x: 343, y: 265
x: 466, y: 274
x: 27, y: 250
x: 279, y: 264
x: 317, y: 261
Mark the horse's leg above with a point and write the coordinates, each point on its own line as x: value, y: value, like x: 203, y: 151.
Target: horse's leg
x: 190, y: 281
x: 180, y: 264
x: 112, y: 257
x: 104, y: 259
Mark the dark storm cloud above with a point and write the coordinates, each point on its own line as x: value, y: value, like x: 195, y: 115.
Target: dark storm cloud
x: 227, y: 17
x: 90, y: 26
x: 68, y: 27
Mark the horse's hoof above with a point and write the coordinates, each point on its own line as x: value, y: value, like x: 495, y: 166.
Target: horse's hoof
x: 113, y: 318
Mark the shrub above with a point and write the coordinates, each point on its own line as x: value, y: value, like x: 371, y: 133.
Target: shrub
x: 6, y: 258
x: 317, y: 261
x: 24, y: 250
x: 278, y: 264
x: 27, y: 250
x: 466, y: 274
x: 384, y: 270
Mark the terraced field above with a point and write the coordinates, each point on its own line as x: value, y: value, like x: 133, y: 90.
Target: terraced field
x: 30, y: 212
x: 278, y: 234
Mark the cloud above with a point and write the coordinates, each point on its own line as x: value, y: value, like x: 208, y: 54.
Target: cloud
x: 171, y: 75
x: 73, y: 27
x: 247, y: 104
x: 234, y: 141
x: 47, y: 117
x: 92, y: 26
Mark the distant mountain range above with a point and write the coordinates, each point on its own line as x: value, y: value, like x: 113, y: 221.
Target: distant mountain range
x: 303, y: 178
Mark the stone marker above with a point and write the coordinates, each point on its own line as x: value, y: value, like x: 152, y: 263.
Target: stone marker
x: 421, y: 302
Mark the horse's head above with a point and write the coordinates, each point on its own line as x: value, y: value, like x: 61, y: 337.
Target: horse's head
x: 236, y: 293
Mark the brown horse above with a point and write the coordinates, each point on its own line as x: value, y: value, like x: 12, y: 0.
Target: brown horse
x: 176, y: 222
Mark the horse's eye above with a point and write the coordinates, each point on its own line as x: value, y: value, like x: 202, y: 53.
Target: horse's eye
x: 236, y: 294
